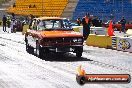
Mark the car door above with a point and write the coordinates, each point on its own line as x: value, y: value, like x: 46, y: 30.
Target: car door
x: 31, y: 37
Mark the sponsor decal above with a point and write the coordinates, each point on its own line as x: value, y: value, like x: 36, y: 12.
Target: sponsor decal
x: 83, y: 78
x: 124, y: 44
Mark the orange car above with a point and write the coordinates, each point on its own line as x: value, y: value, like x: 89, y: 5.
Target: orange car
x: 52, y: 34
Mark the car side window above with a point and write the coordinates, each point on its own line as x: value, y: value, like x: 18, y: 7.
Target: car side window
x: 41, y: 25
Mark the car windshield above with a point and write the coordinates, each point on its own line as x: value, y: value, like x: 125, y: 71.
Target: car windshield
x: 53, y: 24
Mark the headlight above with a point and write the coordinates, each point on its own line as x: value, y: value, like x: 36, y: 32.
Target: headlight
x: 75, y: 40
x: 80, y: 39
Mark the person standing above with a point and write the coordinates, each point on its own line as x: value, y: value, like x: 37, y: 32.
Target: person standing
x: 86, y: 26
x: 13, y: 17
x: 31, y: 20
x: 95, y: 22
x: 123, y: 22
x: 4, y: 23
x: 13, y: 23
x: 8, y: 21
x: 78, y: 21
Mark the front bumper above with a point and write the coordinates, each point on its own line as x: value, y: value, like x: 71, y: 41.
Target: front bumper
x: 75, y: 48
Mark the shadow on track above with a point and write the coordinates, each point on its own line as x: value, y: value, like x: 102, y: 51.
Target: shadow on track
x: 67, y: 57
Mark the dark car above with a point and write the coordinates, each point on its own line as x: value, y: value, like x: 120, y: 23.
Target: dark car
x: 19, y: 26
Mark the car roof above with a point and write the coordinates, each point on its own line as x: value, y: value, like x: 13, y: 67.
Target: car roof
x: 46, y: 18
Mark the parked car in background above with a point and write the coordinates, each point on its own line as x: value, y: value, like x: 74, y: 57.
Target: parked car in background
x: 19, y: 25
x: 52, y: 34
x: 118, y: 25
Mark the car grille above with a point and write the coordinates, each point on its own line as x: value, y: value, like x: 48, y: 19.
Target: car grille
x: 59, y: 41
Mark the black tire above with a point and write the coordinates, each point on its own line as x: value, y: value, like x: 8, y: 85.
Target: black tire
x: 29, y: 49
x: 26, y: 41
x: 78, y: 54
x: 79, y: 51
x: 39, y: 51
x: 80, y: 80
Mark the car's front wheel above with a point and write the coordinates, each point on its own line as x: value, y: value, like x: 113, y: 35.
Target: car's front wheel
x: 78, y: 54
x: 79, y: 51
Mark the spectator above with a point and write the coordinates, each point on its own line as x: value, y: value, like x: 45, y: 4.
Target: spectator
x: 86, y: 26
x: 78, y: 21
x: 62, y: 25
x: 8, y: 21
x: 95, y: 22
x: 34, y: 6
x: 40, y: 25
x: 100, y: 22
x: 123, y: 22
x: 13, y: 25
x: 4, y: 23
x: 13, y: 17
x: 14, y: 5
x: 31, y: 20
x: 29, y: 6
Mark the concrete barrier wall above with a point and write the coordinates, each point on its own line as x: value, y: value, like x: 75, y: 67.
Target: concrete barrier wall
x: 114, y: 42
x: 91, y: 40
x: 124, y: 44
x: 101, y: 41
x: 93, y: 30
x: 76, y: 29
x: 98, y: 30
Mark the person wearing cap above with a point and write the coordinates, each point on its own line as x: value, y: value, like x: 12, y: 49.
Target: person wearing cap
x: 78, y: 21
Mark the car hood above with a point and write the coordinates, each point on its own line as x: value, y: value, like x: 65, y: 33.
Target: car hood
x: 60, y: 34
